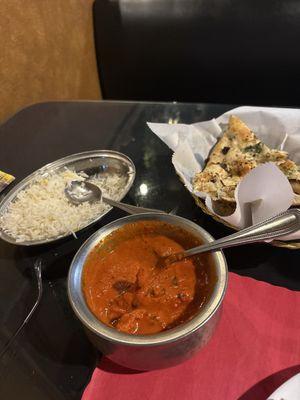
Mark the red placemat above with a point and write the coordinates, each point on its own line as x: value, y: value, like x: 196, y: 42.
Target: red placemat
x: 256, y: 347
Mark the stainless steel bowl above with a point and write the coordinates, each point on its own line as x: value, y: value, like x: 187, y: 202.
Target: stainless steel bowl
x: 150, y: 351
x: 91, y: 162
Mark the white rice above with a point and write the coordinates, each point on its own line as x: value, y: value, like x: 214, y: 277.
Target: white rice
x: 42, y: 211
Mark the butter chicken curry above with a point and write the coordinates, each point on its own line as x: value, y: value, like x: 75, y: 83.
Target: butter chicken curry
x: 126, y: 289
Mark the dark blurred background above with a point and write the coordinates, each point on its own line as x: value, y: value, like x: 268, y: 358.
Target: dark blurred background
x: 217, y: 51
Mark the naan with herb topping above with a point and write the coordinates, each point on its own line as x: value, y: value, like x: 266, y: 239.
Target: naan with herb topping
x: 236, y: 153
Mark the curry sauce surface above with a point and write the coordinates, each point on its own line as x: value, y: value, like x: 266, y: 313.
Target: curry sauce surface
x: 126, y: 289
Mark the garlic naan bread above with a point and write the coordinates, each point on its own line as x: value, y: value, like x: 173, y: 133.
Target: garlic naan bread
x: 236, y: 153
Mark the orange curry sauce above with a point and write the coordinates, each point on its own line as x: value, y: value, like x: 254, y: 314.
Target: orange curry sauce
x: 126, y: 289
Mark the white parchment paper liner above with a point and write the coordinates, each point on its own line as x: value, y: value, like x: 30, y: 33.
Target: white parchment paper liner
x: 266, y: 188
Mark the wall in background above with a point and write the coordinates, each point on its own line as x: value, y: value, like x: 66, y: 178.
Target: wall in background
x: 46, y: 53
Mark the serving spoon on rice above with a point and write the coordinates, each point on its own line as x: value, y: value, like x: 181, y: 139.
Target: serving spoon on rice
x: 79, y: 192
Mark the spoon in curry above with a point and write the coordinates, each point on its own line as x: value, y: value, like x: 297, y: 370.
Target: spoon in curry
x: 280, y: 225
x: 79, y: 192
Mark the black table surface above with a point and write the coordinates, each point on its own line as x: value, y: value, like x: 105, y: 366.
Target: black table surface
x: 51, y: 358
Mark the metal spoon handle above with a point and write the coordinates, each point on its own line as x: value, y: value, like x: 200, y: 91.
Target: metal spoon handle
x: 283, y: 224
x: 129, y: 208
x: 38, y: 274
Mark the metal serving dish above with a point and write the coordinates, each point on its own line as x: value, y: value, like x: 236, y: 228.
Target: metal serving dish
x: 149, y: 351
x: 90, y: 162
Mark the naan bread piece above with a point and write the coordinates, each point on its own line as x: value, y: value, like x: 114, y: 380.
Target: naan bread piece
x: 236, y: 153
x: 223, y: 208
x: 296, y: 186
x: 296, y: 201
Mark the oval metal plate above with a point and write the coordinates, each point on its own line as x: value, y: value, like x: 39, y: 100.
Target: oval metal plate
x: 90, y: 162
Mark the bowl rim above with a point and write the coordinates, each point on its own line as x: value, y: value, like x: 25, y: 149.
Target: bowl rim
x: 89, y: 320
x: 52, y: 167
